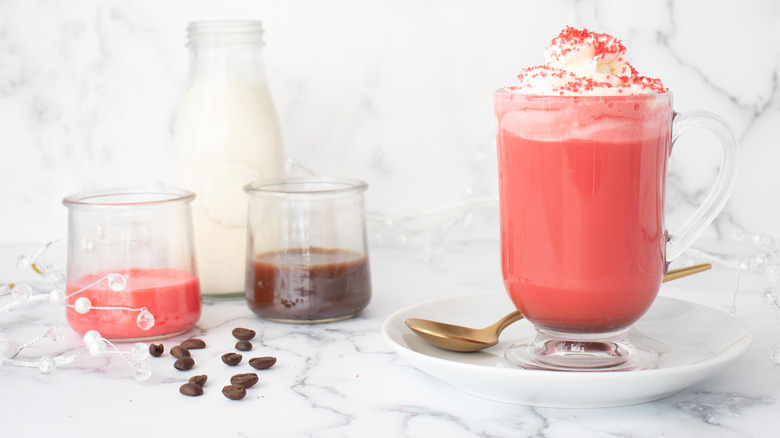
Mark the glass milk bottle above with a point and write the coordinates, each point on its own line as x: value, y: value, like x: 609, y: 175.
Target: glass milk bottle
x: 227, y: 135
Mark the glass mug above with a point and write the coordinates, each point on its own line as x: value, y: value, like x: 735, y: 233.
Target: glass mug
x: 307, y: 255
x: 131, y: 269
x: 583, y: 242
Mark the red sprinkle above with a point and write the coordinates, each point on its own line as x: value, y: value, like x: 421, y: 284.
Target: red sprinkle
x: 603, y: 44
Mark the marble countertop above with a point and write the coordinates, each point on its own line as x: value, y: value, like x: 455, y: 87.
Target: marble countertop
x: 342, y: 380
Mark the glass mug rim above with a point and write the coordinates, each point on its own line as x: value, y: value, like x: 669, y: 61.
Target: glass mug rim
x: 303, y: 187
x: 128, y: 197
x: 509, y: 91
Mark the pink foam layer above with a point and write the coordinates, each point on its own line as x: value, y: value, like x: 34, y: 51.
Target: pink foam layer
x: 605, y: 118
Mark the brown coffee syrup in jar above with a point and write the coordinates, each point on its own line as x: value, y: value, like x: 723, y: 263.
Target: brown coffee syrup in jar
x: 309, y: 284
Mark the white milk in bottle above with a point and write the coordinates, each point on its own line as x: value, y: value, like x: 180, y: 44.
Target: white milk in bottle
x: 227, y: 134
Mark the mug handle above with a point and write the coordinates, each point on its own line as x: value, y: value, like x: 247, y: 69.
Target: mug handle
x: 724, y: 182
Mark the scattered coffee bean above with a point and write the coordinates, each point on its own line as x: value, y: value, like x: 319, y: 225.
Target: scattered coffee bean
x: 243, y: 345
x: 246, y: 379
x: 184, y: 363
x: 232, y: 359
x: 243, y: 334
x: 234, y: 392
x: 156, y: 350
x: 194, y: 344
x: 199, y: 380
x: 191, y: 389
x: 262, y: 363
x: 179, y: 351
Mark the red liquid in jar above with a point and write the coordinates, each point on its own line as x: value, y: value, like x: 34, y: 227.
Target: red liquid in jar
x: 582, y: 231
x: 171, y: 295
x: 309, y: 284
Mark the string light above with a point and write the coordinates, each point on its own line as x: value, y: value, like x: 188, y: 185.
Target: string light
x: 94, y: 342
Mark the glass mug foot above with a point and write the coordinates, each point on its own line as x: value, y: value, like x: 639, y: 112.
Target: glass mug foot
x: 558, y: 351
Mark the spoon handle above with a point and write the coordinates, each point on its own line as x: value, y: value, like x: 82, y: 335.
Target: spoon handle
x: 674, y: 274
x: 504, y: 322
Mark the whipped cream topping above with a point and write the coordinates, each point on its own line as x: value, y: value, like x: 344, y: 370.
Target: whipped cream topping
x: 583, y: 63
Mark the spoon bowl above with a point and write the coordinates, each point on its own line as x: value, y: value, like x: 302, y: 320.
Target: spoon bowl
x: 458, y: 338
x: 466, y: 339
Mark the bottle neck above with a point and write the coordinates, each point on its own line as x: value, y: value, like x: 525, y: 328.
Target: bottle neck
x: 226, y: 52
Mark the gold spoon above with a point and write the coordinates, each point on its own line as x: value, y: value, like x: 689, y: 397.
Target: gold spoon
x: 465, y: 339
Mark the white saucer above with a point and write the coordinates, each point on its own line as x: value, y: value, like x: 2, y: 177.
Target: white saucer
x: 693, y: 341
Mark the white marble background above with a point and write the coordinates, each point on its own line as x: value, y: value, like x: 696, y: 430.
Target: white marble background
x: 89, y: 91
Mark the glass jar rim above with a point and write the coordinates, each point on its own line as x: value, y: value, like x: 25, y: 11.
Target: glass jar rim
x: 128, y: 197
x: 225, y: 26
x: 219, y: 33
x: 305, y: 186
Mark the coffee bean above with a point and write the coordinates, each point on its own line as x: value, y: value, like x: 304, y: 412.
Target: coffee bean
x: 243, y: 345
x: 179, y: 351
x: 234, y: 392
x: 156, y: 350
x: 199, y: 380
x: 194, y: 344
x: 243, y: 334
x: 246, y: 379
x: 232, y: 359
x: 191, y: 389
x: 184, y: 363
x: 262, y: 363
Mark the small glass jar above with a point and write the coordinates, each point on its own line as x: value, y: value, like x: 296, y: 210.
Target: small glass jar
x: 307, y: 254
x: 131, y: 269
